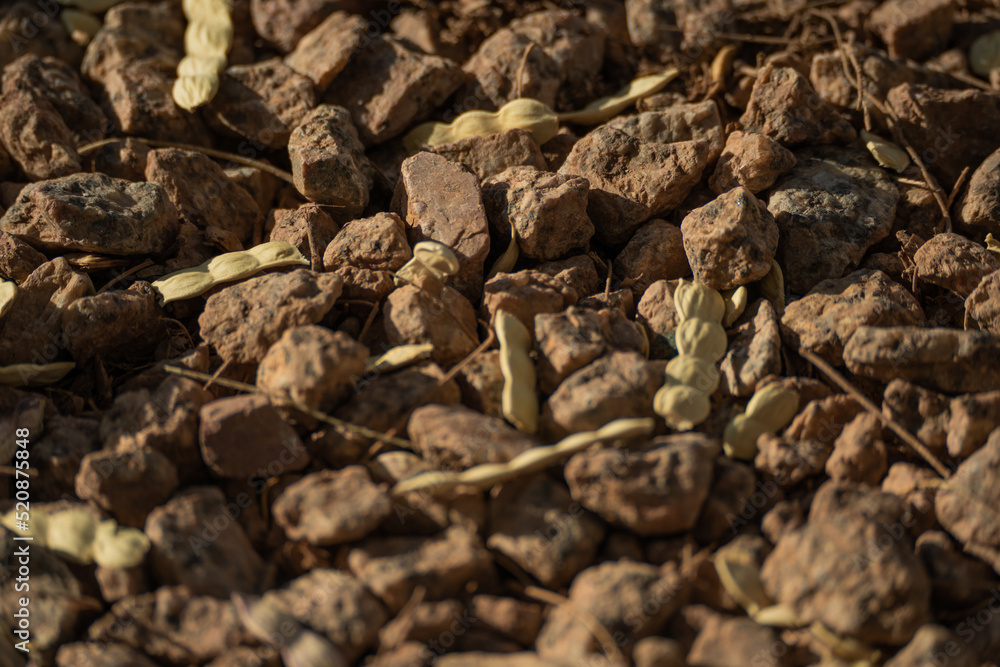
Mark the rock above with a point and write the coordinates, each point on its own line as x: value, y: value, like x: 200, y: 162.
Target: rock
x: 262, y: 185
x: 973, y: 417
x: 982, y: 307
x: 242, y: 321
x: 830, y: 209
x: 448, y: 322
x: 202, y: 193
x: 47, y: 38
x: 365, y: 284
x: 959, y: 503
x: 525, y: 294
x: 328, y: 161
x: 754, y: 350
x: 908, y: 481
x: 394, y: 567
x: 100, y: 654
x: 754, y: 161
x: 548, y: 211
x: 121, y: 159
x: 388, y: 88
x: 726, y: 641
x: 652, y: 25
x: 308, y: 227
x: 824, y: 319
x: 128, y: 484
x: 197, y: 543
x: 441, y: 201
x: 490, y: 155
x: 611, y: 593
x: 332, y: 506
x: 655, y: 252
x: 377, y: 243
x: 536, y: 523
x: 954, y: 262
x: 978, y: 207
x: 454, y: 437
x: 578, y: 272
x: 852, y: 568
x: 93, y: 213
x: 261, y: 102
x: 924, y: 413
x: 859, y: 453
x: 567, y: 341
x: 929, y: 644
x: 117, y: 324
x: 929, y: 116
x: 674, y: 470
x: 17, y: 258
x: 481, y: 383
x: 784, y: 106
x: 656, y: 312
x: 731, y: 241
x: 674, y: 123
x: 519, y: 621
x: 245, y: 436
x: 942, y: 359
x: 60, y: 451
x: 913, y: 30
x: 324, y: 52
x: 658, y: 652
x: 285, y: 23
x: 632, y: 178
x: 146, y: 35
x: 958, y: 578
x: 313, y: 365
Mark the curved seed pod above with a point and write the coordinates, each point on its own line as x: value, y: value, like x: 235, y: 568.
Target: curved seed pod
x: 518, y: 398
x: 262, y: 619
x: 537, y: 458
x: 694, y: 300
x: 774, y: 406
x: 736, y: 302
x: 189, y: 283
x: 8, y: 290
x: 772, y: 286
x: 697, y: 372
x: 682, y: 407
x: 739, y: 440
x: 508, y: 259
x: 886, y: 153
x: 76, y: 21
x: 207, y: 39
x: 398, y: 357
x: 605, y: 108
x: 781, y: 615
x: 739, y: 573
x: 702, y: 338
x: 431, y: 264
x: 523, y: 113
x: 34, y: 375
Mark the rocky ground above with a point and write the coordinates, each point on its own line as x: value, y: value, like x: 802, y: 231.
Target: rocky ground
x: 223, y: 450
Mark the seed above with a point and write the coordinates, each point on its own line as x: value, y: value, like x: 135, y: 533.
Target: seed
x: 739, y: 573
x: 508, y: 259
x: 702, y: 338
x: 523, y: 113
x: 76, y: 535
x: 984, y: 54
x: 694, y: 300
x: 769, y: 410
x: 682, y: 407
x: 736, y: 302
x: 431, y: 263
x: 518, y: 398
x: 697, y: 372
x: 398, y: 357
x: 886, y: 153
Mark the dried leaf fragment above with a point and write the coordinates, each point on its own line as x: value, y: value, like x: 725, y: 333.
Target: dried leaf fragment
x: 398, y: 357
x: 230, y: 266
x: 886, y: 153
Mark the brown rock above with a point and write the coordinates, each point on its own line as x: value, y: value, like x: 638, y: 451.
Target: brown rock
x: 913, y: 30
x: 262, y: 102
x: 754, y: 350
x: 567, y: 341
x: 332, y: 506
x: 659, y: 490
x: 365, y: 284
x: 852, y: 568
x: 973, y: 417
x: 959, y: 503
x: 859, y: 453
x: 633, y: 179
x: 830, y: 208
x: 728, y: 641
x: 511, y: 618
x: 323, y: 53
x: 982, y: 306
x: 121, y: 159
x: 525, y: 294
x: 48, y: 38
x: 128, y: 484
x: 308, y: 227
x: 498, y: 75
x: 441, y: 201
x: 754, y: 161
x: 454, y: 437
x: 824, y: 319
x: 285, y: 22
x: 490, y: 155
x: 448, y: 322
x: 677, y: 122
x: 328, y: 161
x: 958, y: 578
x: 93, y: 213
x: 731, y: 241
x: 54, y: 82
x: 655, y: 252
x: 548, y: 211
x: 388, y: 88
x: 198, y: 544
x: 658, y: 652
x: 934, y: 121
x: 652, y: 25
x: 394, y: 567
x: 377, y: 243
x: 35, y: 135
x: 262, y: 185
x: 242, y: 321
x: 243, y: 436
x: 481, y: 383
x: 118, y: 324
x: 100, y: 654
x: 924, y: 413
x: 17, y: 258
x: 578, y: 272
x: 611, y: 593
x: 149, y: 35
x: 954, y: 262
x: 536, y: 523
x: 784, y: 106
x: 929, y: 642
x: 59, y: 451
x: 657, y: 313
x: 978, y: 207
x: 943, y: 359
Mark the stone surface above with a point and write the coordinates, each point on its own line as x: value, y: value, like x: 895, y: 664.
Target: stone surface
x: 784, y: 106
x: 328, y: 161
x: 727, y: 641
x: 830, y: 209
x: 377, y: 243
x: 925, y: 413
x: 324, y: 52
x: 128, y: 484
x: 285, y: 22
x: 17, y: 258
x: 913, y: 30
x: 655, y: 252
x: 441, y: 201
x: 824, y: 319
x: 242, y: 321
x: 117, y: 324
x: 978, y: 207
x: 93, y: 213
x: 525, y: 294
x: 242, y: 436
x: 954, y: 262
x: 730, y: 241
x: 490, y: 155
x: 754, y: 350
x: 454, y: 437
x: 959, y: 504
x: 332, y: 506
x: 548, y: 211
x: 676, y: 122
x: 100, y: 654
x: 308, y: 227
x: 448, y: 322
x: 859, y: 452
x: 752, y: 160
x: 198, y: 544
x: 48, y: 38
x: 657, y: 313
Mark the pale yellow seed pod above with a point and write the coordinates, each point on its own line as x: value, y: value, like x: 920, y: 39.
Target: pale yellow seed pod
x: 201, y: 65
x: 83, y: 23
x: 204, y: 10
x: 191, y: 92
x: 508, y: 259
x: 34, y: 375
x: 984, y: 54
x: 739, y: 440
x: 518, y: 398
x: 119, y: 547
x: 209, y: 38
x: 886, y: 153
x: 739, y: 573
x: 605, y: 108
x: 694, y: 300
x: 437, y: 257
x: 736, y: 302
x: 8, y: 290
x: 523, y: 113
x: 696, y: 372
x: 772, y: 286
x: 682, y: 407
x: 774, y: 406
x: 71, y: 534
x: 701, y: 338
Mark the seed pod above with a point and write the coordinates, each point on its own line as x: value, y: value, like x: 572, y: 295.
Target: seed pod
x: 886, y: 153
x: 697, y: 372
x: 508, y: 259
x: 523, y: 113
x: 518, y: 398
x: 8, y: 290
x: 736, y: 302
x: 207, y: 39
x: 772, y: 286
x: 119, y: 547
x: 739, y: 573
x: 739, y: 440
x: 77, y: 536
x: 398, y: 357
x: 702, y: 338
x: 605, y: 108
x: 682, y: 407
x: 34, y: 375
x: 984, y: 54
x: 694, y: 300
x: 76, y: 21
x: 431, y: 264
x: 770, y: 409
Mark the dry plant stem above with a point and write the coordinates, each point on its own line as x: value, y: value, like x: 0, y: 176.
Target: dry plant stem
x: 369, y: 321
x: 114, y: 281
x: 339, y: 424
x: 958, y: 186
x: 8, y: 470
x: 485, y: 345
x: 898, y: 429
x: 601, y: 634
x: 211, y: 152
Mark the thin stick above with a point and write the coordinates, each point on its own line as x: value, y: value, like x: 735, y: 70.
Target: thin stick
x: 222, y: 155
x: 339, y: 424
x: 895, y: 426
x: 485, y: 345
x: 601, y: 634
x: 11, y: 471
x: 135, y: 269
x: 958, y: 186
